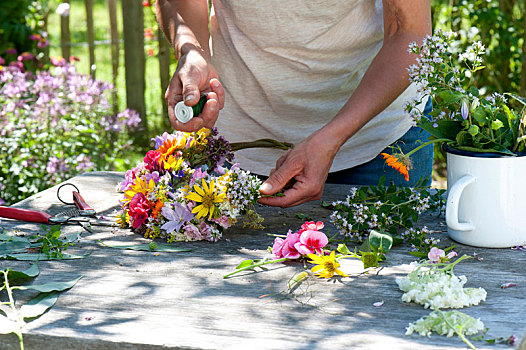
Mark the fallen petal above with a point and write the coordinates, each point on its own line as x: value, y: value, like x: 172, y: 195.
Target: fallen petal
x: 508, y: 285
x: 378, y: 303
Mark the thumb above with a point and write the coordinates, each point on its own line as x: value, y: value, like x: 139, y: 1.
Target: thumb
x: 277, y: 180
x: 191, y: 92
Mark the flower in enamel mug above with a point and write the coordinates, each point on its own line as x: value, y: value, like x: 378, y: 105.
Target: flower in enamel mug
x: 464, y: 110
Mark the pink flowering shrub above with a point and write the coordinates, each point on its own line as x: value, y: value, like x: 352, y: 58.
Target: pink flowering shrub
x: 53, y: 125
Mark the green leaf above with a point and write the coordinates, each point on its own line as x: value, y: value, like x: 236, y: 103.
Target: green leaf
x: 369, y: 259
x: 419, y: 254
x: 479, y: 115
x: 496, y: 124
x: 342, y: 248
x: 42, y: 257
x: 31, y: 272
x: 327, y: 205
x: 446, y: 129
x: 147, y: 247
x: 517, y: 98
x: 52, y: 286
x: 13, y: 247
x: 302, y: 216
x: 245, y: 263
x: 39, y: 304
x: 380, y: 241
x: 473, y: 130
x: 449, y: 96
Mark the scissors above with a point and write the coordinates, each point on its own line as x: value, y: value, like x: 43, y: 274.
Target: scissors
x: 83, y: 214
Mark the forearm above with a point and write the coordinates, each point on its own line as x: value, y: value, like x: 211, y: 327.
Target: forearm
x: 387, y: 76
x: 185, y: 24
x: 385, y: 79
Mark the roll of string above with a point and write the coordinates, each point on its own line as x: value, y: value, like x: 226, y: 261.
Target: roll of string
x: 185, y: 113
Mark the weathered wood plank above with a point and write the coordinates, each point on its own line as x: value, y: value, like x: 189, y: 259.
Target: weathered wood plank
x: 140, y: 300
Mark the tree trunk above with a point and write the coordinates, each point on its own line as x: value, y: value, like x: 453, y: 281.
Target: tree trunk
x: 134, y: 63
x: 65, y: 37
x: 506, y: 8
x: 114, y: 34
x: 91, y: 37
x: 164, y: 70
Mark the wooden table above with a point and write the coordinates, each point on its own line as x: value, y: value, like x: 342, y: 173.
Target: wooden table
x: 143, y: 300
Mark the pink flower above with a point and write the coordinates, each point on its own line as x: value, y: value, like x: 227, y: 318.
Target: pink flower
x: 26, y: 56
x: 451, y: 255
x: 35, y: 37
x: 285, y: 248
x: 435, y: 255
x: 151, y: 160
x: 138, y: 209
x: 311, y: 225
x: 43, y: 43
x: 57, y: 61
x: 192, y: 232
x: 311, y: 242
x: 2, y: 61
x: 10, y: 51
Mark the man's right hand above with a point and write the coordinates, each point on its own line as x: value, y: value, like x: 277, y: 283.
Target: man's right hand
x: 194, y: 76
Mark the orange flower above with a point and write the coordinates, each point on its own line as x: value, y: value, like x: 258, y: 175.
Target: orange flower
x: 157, y: 209
x: 396, y: 164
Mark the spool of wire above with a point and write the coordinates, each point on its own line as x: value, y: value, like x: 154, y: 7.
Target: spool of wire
x: 185, y: 113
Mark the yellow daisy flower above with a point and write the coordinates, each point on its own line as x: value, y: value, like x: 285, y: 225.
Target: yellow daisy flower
x: 173, y: 163
x: 326, y: 266
x: 207, y: 196
x: 140, y: 186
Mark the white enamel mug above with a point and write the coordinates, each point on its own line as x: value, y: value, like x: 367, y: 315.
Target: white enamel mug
x: 486, y: 199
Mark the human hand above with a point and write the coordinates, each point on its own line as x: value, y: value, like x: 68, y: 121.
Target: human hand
x: 307, y: 164
x: 195, y: 75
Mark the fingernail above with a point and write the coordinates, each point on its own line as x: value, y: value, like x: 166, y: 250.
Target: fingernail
x: 266, y: 187
x: 215, y: 83
x: 189, y: 97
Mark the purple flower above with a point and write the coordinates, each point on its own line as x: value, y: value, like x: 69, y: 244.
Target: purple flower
x: 129, y: 117
x: 84, y: 162
x: 52, y: 165
x: 43, y: 43
x: 464, y: 110
x: 2, y: 61
x: 177, y: 217
x: 435, y: 125
x: 10, y: 51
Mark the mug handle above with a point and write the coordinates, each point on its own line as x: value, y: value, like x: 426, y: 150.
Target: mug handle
x: 453, y: 199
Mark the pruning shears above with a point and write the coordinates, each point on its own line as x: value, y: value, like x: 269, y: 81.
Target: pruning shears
x: 82, y: 214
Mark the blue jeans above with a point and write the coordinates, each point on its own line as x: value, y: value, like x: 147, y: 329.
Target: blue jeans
x: 369, y: 173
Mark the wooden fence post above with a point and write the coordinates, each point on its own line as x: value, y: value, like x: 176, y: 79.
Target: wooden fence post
x: 134, y: 63
x: 114, y: 34
x: 65, y: 37
x: 91, y: 36
x: 164, y: 71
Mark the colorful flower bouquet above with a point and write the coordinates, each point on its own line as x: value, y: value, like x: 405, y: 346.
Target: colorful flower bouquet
x: 464, y: 117
x: 181, y: 191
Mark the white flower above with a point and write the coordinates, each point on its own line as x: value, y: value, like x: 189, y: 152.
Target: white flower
x: 63, y: 9
x: 445, y: 323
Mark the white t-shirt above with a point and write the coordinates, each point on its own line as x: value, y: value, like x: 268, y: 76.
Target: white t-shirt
x: 288, y: 66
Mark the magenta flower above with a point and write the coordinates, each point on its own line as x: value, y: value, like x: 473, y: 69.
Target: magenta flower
x: 311, y: 225
x: 42, y: 44
x: 151, y: 160
x: 139, y: 209
x: 10, y: 51
x: 285, y: 248
x: 311, y: 242
x: 2, y: 61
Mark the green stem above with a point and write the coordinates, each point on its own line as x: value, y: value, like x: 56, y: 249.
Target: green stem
x: 425, y: 144
x: 250, y: 267
x: 13, y: 308
x: 261, y: 143
x: 460, y: 334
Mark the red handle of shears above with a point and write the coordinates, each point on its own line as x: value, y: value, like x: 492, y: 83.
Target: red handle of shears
x: 80, y: 203
x: 24, y: 215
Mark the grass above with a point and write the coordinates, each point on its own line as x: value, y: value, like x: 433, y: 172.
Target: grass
x: 79, y: 48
